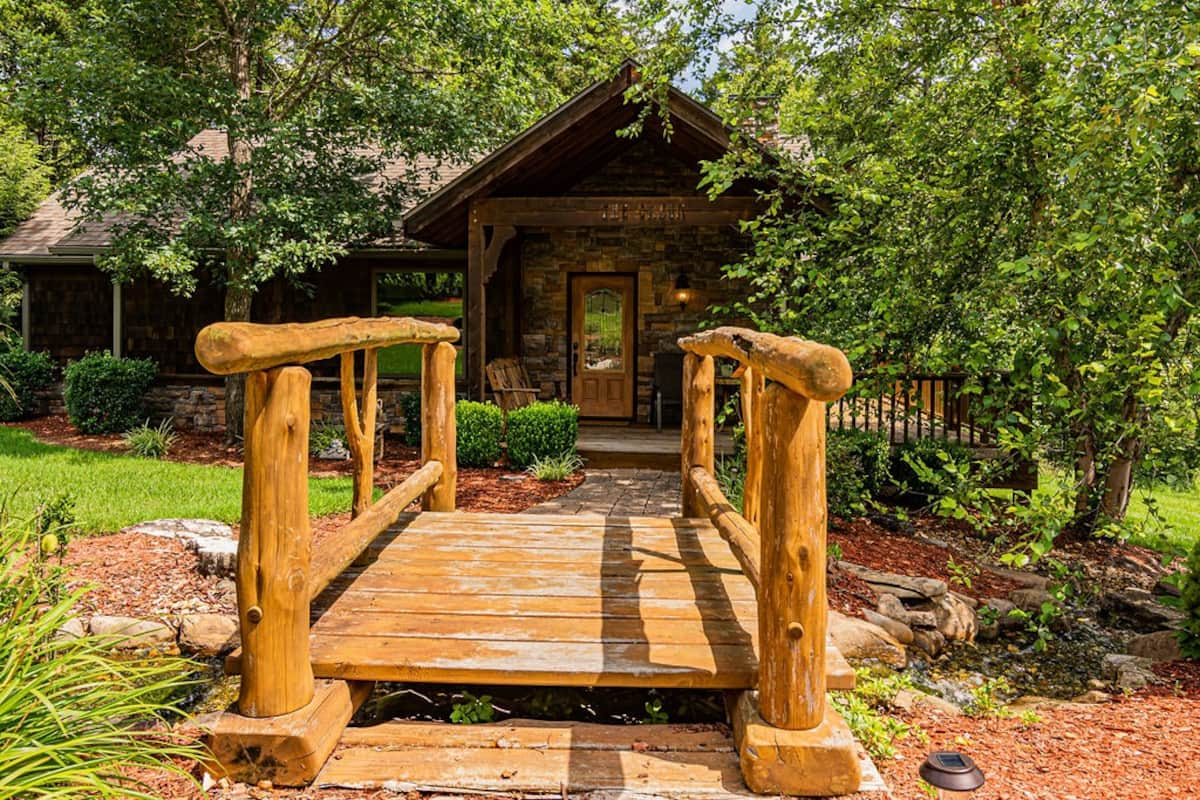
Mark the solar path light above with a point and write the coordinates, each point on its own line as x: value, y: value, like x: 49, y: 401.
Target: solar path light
x: 954, y: 775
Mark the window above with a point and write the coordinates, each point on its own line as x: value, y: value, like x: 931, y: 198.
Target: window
x: 430, y: 296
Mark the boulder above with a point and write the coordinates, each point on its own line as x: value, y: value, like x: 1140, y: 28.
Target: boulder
x: 924, y: 617
x: 208, y: 635
x: 890, y: 606
x: 1127, y: 672
x: 1157, y: 647
x: 930, y: 641
x: 955, y: 618
x: 901, y: 586
x: 217, y: 557
x: 334, y: 451
x: 71, y: 629
x: 133, y: 634
x: 1092, y: 696
x: 1141, y: 608
x: 1030, y: 600
x: 857, y: 638
x: 1027, y: 580
x: 912, y: 700
x: 899, y: 631
x: 1168, y: 588
x: 1002, y: 609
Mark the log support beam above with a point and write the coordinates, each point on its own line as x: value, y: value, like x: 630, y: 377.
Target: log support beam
x: 360, y: 428
x: 698, y: 444
x: 438, y: 428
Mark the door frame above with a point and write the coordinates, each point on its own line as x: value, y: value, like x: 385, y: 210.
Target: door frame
x: 633, y: 279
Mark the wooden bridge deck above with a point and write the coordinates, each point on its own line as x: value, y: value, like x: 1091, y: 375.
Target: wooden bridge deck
x: 544, y: 600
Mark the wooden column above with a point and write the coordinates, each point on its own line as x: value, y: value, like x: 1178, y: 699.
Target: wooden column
x: 753, y: 387
x: 792, y: 605
x: 273, y: 548
x: 438, y: 429
x: 360, y: 435
x: 698, y: 426
x: 476, y: 321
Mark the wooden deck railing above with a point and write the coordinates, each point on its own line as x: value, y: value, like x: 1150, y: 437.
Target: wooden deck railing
x: 779, y: 539
x: 277, y: 574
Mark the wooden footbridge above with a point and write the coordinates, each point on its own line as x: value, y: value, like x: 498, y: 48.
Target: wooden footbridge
x: 714, y: 600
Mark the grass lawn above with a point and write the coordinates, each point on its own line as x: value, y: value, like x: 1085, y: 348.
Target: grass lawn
x: 1180, y: 511
x: 450, y: 309
x: 405, y: 359
x: 114, y: 490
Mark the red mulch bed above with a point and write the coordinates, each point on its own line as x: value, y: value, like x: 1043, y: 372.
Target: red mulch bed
x: 866, y: 543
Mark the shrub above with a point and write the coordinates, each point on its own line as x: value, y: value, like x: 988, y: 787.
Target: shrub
x: 931, y: 468
x: 554, y: 468
x: 75, y: 721
x: 150, y: 442
x: 410, y: 408
x: 1189, y: 632
x: 323, y: 434
x: 25, y: 373
x: 480, y: 429
x: 541, y: 430
x: 856, y: 468
x: 106, y: 394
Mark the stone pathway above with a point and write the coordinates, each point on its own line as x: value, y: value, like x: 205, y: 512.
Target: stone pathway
x: 619, y: 493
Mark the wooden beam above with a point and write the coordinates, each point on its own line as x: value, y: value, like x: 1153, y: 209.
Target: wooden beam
x: 501, y: 235
x: 438, y: 428
x: 752, y: 390
x: 26, y: 311
x: 116, y: 320
x: 615, y: 211
x: 697, y: 448
x: 360, y: 435
x: 476, y: 320
x: 741, y: 536
x: 230, y: 347
x: 812, y: 370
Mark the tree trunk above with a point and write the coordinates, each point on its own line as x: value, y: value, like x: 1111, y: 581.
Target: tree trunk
x: 1118, y: 479
x: 237, y: 309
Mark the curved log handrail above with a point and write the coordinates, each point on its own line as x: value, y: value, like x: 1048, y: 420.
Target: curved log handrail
x: 227, y: 348
x: 736, y: 530
x: 811, y: 370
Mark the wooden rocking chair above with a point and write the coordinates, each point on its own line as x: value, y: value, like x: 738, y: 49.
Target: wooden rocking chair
x: 510, y: 384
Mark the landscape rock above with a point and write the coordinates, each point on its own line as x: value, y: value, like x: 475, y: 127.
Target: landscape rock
x: 955, y: 618
x: 899, y: 631
x: 1092, y: 697
x: 133, y: 633
x: 211, y: 541
x: 1003, y: 612
x: 922, y: 618
x: 334, y: 451
x: 208, y: 635
x: 1168, y: 588
x: 71, y: 629
x: 911, y: 700
x: 1127, y: 672
x: 857, y: 638
x: 217, y: 557
x: 1157, y: 647
x: 901, y: 586
x: 1030, y: 600
x: 930, y: 641
x: 1027, y: 580
x: 1141, y: 608
x: 890, y: 606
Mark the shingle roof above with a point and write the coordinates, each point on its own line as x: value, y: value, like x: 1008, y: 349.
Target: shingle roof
x: 52, y: 230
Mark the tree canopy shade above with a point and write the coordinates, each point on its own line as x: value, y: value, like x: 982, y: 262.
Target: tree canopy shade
x: 1013, y: 186
x: 297, y: 90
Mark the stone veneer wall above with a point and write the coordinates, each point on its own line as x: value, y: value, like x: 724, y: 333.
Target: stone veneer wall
x: 656, y: 255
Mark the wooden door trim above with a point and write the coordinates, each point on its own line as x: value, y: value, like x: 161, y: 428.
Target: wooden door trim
x: 632, y: 335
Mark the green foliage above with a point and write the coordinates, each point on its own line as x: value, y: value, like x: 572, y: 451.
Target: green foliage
x: 26, y: 373
x: 473, y: 710
x: 731, y: 477
x: 864, y: 710
x: 114, y: 490
x: 931, y: 468
x: 74, y: 721
x: 323, y: 434
x: 480, y: 432
x: 149, y: 442
x: 655, y: 713
x: 1189, y: 632
x: 856, y: 468
x: 410, y: 408
x: 555, y: 468
x: 410, y: 285
x: 24, y: 178
x: 987, y: 699
x: 105, y: 394
x: 541, y: 430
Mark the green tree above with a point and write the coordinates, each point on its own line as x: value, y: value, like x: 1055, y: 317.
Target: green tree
x: 23, y: 177
x: 986, y: 184
x: 297, y: 88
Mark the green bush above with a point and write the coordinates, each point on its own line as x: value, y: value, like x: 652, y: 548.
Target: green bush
x: 106, y: 394
x: 541, y: 430
x: 75, y: 721
x: 1189, y: 601
x: 480, y: 430
x: 410, y: 408
x: 930, y: 468
x: 25, y: 373
x: 856, y: 468
x: 323, y: 434
x: 150, y: 442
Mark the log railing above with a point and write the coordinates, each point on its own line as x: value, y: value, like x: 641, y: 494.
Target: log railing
x: 277, y: 574
x: 779, y: 539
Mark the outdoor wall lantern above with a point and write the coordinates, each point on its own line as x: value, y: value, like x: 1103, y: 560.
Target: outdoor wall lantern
x: 952, y: 774
x: 683, y: 290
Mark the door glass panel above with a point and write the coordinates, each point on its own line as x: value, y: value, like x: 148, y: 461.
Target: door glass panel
x: 602, y: 335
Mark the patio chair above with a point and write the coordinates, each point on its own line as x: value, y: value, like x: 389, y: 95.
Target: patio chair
x: 510, y: 384
x: 667, y: 392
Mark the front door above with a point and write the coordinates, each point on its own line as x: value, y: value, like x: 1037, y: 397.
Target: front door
x: 602, y: 357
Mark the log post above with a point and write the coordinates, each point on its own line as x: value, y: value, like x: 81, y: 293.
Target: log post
x: 360, y: 436
x: 273, y: 548
x: 792, y: 605
x: 438, y: 429
x: 753, y: 386
x: 696, y: 449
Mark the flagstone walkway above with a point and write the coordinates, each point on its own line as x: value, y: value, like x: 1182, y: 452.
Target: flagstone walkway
x: 619, y: 493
